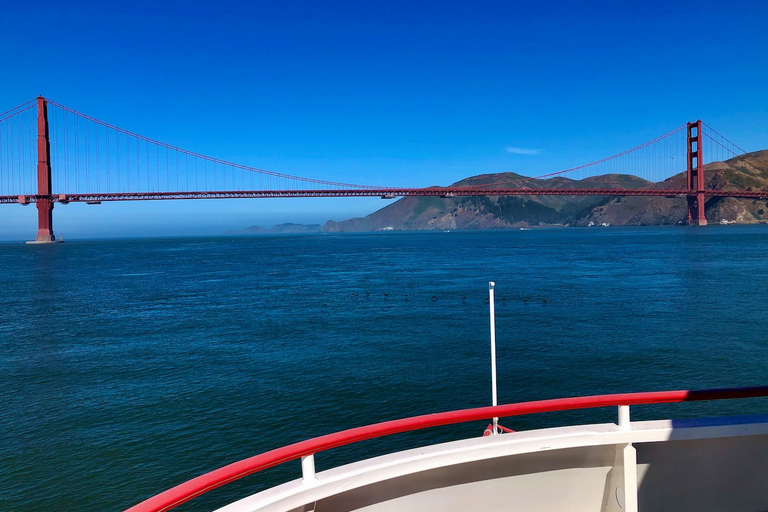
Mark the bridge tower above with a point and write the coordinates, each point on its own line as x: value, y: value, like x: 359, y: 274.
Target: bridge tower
x: 44, y: 206
x: 695, y: 175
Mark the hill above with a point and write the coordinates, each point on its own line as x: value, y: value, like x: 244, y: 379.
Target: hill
x: 749, y: 171
x: 745, y: 172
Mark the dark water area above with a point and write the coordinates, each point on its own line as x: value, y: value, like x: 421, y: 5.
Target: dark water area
x: 128, y: 366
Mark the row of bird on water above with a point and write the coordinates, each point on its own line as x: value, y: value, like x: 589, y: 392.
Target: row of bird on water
x: 463, y: 297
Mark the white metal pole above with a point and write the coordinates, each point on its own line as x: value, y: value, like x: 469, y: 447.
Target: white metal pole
x: 308, y: 468
x: 494, y: 397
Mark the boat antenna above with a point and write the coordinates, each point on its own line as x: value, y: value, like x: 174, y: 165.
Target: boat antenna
x: 494, y: 396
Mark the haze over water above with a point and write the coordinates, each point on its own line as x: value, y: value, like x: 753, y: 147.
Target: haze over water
x: 129, y: 366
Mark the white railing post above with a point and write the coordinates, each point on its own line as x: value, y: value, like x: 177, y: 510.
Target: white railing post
x: 308, y: 468
x: 624, y: 422
x: 630, y: 478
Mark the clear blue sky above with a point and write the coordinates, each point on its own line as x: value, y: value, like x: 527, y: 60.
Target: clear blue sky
x: 383, y: 93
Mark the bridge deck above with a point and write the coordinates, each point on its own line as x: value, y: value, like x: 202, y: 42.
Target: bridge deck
x: 386, y: 193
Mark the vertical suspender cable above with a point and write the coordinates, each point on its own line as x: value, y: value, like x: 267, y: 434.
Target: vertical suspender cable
x: 666, y: 161
x: 119, y: 177
x: 89, y: 185
x: 7, y: 157
x: 5, y: 192
x: 27, y: 146
x: 18, y: 149
x: 19, y: 142
x: 77, y: 153
x: 22, y: 151
x: 11, y: 154
x: 66, y: 150
x: 98, y: 162
x: 12, y: 149
x: 32, y: 169
x: 2, y: 159
x: 109, y: 161
x: 20, y: 165
x: 54, y: 129
x: 2, y: 173
x: 32, y: 150
x: 671, y: 162
x: 128, y: 168
x: 660, y: 162
x: 30, y: 144
x: 674, y: 157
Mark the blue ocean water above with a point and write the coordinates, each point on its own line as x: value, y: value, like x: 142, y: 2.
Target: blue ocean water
x: 128, y: 366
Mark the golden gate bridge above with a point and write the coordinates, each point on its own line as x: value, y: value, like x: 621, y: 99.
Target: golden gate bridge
x: 50, y: 153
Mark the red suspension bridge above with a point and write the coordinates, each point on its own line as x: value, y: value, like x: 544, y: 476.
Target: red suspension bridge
x: 50, y: 153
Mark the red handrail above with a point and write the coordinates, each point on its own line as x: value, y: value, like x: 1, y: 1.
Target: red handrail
x: 209, y: 481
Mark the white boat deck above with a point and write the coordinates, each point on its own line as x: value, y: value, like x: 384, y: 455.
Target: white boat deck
x: 716, y: 464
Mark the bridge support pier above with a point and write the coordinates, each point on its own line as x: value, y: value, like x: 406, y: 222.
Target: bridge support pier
x: 695, y: 176
x: 44, y: 206
x: 45, y: 222
x: 696, y: 210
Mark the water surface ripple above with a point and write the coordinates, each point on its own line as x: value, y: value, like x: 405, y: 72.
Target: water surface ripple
x: 129, y: 366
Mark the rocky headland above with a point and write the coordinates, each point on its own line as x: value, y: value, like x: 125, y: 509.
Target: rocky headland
x: 745, y: 172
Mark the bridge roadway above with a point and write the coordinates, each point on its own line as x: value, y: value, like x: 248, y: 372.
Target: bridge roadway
x: 384, y: 193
